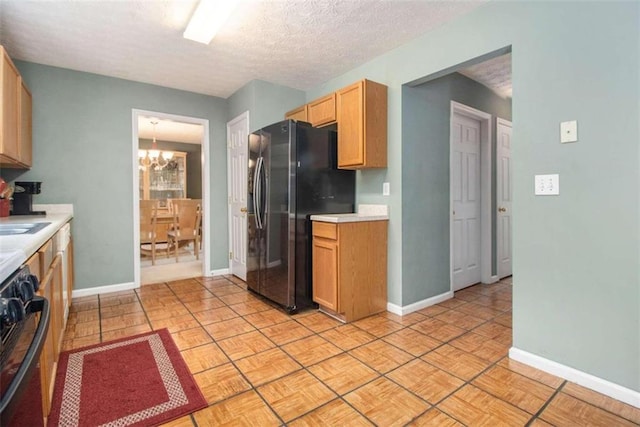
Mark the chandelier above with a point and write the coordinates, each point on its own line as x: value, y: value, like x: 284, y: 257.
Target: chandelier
x: 154, y: 158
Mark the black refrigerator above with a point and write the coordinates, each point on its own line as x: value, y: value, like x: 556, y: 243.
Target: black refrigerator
x: 292, y: 175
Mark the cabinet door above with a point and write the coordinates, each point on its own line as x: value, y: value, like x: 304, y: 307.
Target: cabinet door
x: 70, y: 275
x: 9, y: 123
x: 57, y: 305
x: 362, y: 126
x: 25, y: 125
x: 325, y: 273
x: 47, y: 357
x: 299, y: 113
x: 322, y: 111
x: 350, y: 126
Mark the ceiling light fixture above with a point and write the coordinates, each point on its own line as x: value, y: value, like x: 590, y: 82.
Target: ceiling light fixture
x: 208, y: 18
x: 154, y: 157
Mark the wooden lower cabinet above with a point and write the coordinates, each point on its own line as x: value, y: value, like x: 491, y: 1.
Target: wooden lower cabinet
x: 325, y: 278
x: 48, y: 269
x: 47, y: 357
x: 350, y: 268
x: 57, y: 305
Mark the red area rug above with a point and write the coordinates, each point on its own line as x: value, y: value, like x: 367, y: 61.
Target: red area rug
x: 134, y: 381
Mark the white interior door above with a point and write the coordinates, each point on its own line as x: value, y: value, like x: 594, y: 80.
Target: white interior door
x: 237, y: 136
x: 504, y: 197
x: 465, y: 194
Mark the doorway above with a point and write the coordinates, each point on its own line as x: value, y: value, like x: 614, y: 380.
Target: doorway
x: 470, y: 192
x: 170, y: 154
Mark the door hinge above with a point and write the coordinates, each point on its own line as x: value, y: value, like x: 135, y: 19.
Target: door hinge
x: 230, y: 255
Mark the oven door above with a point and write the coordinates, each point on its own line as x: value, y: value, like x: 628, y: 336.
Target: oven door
x: 21, y: 401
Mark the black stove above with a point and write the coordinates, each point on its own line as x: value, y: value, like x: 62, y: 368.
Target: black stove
x: 24, y: 320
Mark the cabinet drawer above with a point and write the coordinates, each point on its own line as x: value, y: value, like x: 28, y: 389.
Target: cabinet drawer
x: 46, y: 257
x: 325, y: 229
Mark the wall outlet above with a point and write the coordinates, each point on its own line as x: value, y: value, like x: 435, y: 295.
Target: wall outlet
x: 386, y: 190
x: 547, y: 185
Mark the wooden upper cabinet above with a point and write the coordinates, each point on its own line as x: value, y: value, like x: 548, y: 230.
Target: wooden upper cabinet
x: 362, y: 125
x: 26, y: 125
x: 299, y: 113
x: 10, y: 116
x: 322, y: 111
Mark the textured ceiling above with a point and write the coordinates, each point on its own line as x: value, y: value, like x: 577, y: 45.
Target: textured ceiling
x: 494, y: 73
x: 169, y: 130
x: 296, y: 43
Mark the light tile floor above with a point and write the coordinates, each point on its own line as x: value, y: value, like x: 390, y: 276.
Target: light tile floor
x: 443, y: 365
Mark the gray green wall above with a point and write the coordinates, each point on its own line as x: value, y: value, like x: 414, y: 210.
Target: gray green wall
x: 193, y: 163
x: 576, y: 296
x: 426, y: 111
x: 82, y: 145
x: 266, y: 102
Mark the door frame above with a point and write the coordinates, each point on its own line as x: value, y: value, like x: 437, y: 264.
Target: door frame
x: 242, y: 116
x: 206, y: 190
x: 486, y: 190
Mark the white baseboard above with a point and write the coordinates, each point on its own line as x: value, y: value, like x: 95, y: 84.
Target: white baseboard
x: 78, y: 293
x: 492, y: 279
x: 618, y: 392
x: 402, y: 310
x: 220, y: 272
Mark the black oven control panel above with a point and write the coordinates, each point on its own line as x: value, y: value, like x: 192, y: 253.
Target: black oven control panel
x: 16, y: 293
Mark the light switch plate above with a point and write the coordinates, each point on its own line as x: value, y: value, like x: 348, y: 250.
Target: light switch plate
x: 386, y: 189
x: 569, y: 131
x: 547, y: 185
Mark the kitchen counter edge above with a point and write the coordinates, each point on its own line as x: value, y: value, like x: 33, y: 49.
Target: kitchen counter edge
x: 30, y: 243
x: 349, y: 217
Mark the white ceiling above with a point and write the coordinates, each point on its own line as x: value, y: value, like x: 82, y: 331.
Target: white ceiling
x: 296, y: 43
x: 494, y: 73
x: 169, y: 130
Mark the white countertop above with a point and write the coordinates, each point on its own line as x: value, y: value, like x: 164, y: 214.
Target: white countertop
x: 16, y: 249
x: 365, y: 213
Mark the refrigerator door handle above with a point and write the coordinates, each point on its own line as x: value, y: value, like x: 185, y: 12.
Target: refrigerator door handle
x: 263, y: 186
x: 257, y: 193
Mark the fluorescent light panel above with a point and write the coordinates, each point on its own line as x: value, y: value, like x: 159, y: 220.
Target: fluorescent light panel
x: 208, y: 18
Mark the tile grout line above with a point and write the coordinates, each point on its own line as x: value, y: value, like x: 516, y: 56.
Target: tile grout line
x: 233, y: 362
x: 376, y: 338
x: 541, y: 410
x: 144, y: 310
x: 302, y: 367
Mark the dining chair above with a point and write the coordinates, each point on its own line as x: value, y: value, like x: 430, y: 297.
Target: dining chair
x: 201, y: 219
x: 148, y: 218
x: 170, y: 202
x: 186, y: 223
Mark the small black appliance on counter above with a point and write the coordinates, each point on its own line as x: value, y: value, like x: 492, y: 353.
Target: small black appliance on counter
x: 22, y: 198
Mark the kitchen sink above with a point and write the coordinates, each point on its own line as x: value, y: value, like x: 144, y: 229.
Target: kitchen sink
x: 16, y: 228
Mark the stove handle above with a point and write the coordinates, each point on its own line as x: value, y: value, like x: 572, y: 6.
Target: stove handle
x: 30, y: 363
